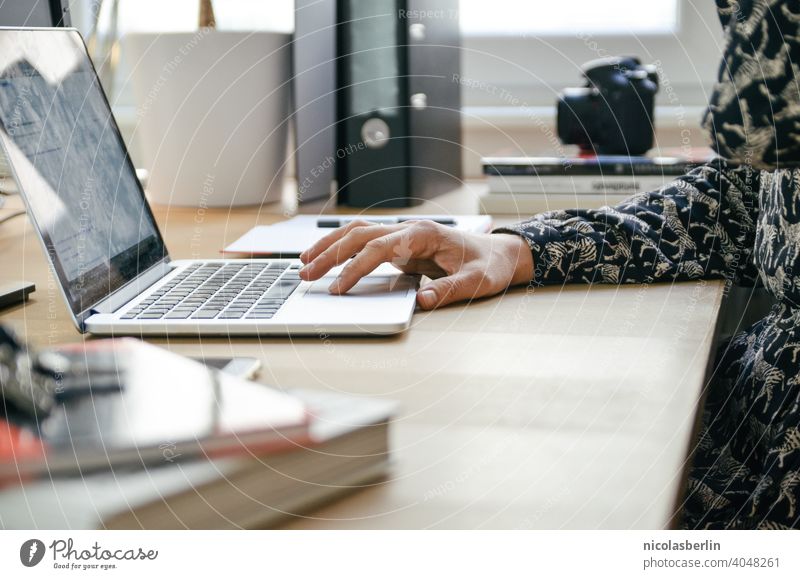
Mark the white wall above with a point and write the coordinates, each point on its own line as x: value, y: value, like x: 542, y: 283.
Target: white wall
x: 511, y: 110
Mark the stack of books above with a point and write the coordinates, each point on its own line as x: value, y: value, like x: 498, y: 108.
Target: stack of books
x: 157, y: 441
x: 528, y: 185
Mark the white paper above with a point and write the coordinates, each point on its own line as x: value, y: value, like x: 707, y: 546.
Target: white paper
x: 290, y: 238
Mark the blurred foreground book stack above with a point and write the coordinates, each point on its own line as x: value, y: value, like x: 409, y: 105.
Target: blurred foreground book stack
x: 120, y: 434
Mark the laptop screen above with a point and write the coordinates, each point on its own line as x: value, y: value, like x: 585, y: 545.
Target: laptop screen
x: 72, y: 165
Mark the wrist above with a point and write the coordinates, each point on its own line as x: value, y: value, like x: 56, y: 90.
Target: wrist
x: 519, y: 253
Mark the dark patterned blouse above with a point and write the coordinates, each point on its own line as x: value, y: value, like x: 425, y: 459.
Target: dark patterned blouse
x: 736, y: 218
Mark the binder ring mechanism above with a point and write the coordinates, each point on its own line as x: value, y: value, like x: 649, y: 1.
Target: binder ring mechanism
x: 375, y: 133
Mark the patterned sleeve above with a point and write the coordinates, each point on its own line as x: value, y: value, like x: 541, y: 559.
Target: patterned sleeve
x: 700, y: 225
x: 754, y: 111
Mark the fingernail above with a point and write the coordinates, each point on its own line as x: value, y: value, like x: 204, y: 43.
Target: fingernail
x: 334, y: 287
x: 427, y: 298
x: 306, y: 268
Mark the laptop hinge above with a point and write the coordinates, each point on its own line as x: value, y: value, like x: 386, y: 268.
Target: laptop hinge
x: 132, y: 289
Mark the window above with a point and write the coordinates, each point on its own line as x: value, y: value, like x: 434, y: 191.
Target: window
x: 532, y: 49
x: 528, y: 49
x: 515, y: 17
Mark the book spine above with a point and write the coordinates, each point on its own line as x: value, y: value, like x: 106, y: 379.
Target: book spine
x: 524, y: 206
x: 568, y: 168
x: 520, y: 185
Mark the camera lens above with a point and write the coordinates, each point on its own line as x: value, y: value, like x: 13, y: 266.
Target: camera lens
x: 575, y: 118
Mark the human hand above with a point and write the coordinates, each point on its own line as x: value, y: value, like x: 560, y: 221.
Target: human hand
x: 463, y: 265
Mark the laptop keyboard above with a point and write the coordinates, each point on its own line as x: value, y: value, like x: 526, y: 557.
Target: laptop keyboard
x: 207, y: 291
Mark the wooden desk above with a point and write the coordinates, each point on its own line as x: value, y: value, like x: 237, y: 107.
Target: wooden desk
x: 562, y: 408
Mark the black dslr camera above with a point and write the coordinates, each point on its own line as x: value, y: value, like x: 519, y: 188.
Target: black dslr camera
x: 613, y: 113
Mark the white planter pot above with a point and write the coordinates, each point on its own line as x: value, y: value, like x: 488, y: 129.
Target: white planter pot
x: 212, y: 114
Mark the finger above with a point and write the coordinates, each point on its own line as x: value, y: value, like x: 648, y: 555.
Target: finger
x: 375, y: 252
x: 462, y: 285
x: 334, y: 236
x: 424, y: 267
x: 344, y: 249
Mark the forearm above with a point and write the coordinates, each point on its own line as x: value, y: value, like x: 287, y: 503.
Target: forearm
x: 701, y: 225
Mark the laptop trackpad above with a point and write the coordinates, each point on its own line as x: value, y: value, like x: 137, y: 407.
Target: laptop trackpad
x: 377, y: 285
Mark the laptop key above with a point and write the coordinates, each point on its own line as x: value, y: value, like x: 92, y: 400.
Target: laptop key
x: 231, y: 315
x: 206, y: 314
x: 188, y: 311
x: 177, y: 315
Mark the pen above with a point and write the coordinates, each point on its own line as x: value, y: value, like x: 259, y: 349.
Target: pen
x: 332, y: 222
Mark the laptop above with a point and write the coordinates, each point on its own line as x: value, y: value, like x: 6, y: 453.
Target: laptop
x: 89, y: 210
